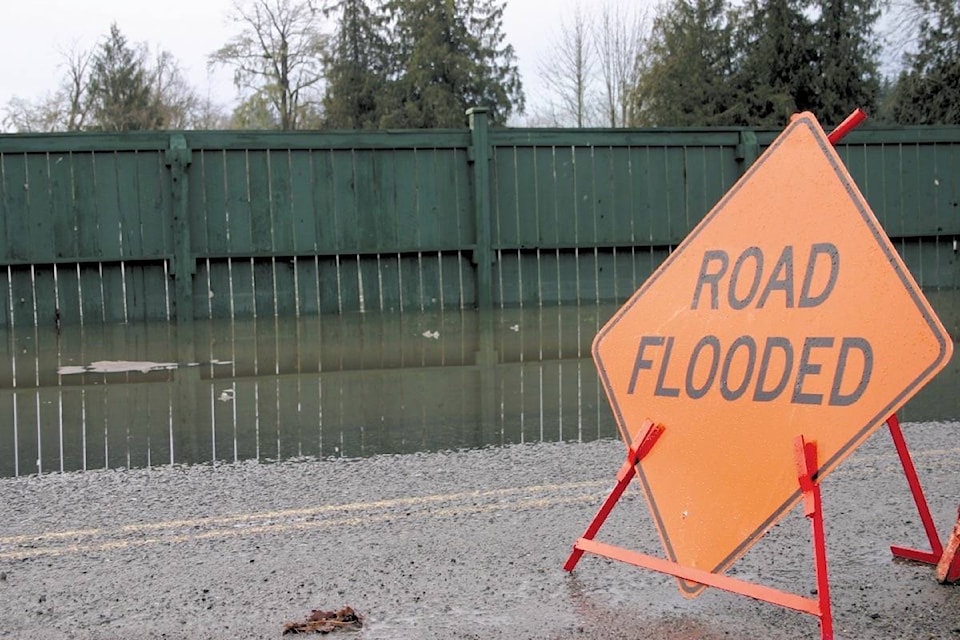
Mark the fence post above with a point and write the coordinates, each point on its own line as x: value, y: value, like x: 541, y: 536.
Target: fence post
x: 183, y: 266
x: 479, y: 156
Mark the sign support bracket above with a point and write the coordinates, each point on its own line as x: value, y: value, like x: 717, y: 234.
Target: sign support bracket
x: 806, y: 458
x: 624, y: 476
x: 933, y: 556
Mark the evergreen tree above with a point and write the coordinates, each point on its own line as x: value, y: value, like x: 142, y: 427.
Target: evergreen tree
x: 448, y: 56
x: 119, y: 88
x: 777, y: 70
x: 689, y: 70
x: 116, y: 87
x: 928, y: 90
x: 357, y: 68
x: 848, y: 75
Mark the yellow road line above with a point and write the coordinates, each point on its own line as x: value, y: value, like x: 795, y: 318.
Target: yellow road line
x: 286, y: 527
x: 301, y: 512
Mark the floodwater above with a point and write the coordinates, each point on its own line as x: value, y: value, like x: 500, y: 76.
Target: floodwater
x: 138, y: 395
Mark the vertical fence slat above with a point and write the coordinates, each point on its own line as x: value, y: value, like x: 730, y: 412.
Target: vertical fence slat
x: 324, y: 201
x: 877, y: 183
x: 16, y: 196
x: 405, y: 199
x: 7, y: 209
x: 281, y: 218
x: 343, y: 183
x: 930, y: 178
x: 585, y: 197
x: 39, y: 212
x: 238, y: 207
x: 511, y: 207
x: 128, y: 203
x: 366, y: 201
x: 107, y: 202
x: 260, y: 168
x: 303, y: 224
x: 676, y: 188
x: 612, y: 186
x: 212, y: 186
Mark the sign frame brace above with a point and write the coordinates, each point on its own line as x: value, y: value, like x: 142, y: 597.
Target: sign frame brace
x: 806, y: 457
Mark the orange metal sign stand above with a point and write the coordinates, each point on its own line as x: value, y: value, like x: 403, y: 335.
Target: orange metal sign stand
x: 809, y: 472
x: 752, y: 332
x: 806, y: 458
x: 948, y: 569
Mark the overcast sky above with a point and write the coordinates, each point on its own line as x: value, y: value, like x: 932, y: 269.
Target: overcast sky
x: 34, y: 33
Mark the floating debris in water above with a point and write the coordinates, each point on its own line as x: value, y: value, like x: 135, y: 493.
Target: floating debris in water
x: 433, y: 335
x: 117, y: 366
x: 326, y: 622
x: 127, y: 366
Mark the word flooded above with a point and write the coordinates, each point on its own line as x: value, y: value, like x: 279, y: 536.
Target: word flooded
x: 809, y: 370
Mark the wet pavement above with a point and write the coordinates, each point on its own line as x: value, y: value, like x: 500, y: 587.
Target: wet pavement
x: 460, y: 544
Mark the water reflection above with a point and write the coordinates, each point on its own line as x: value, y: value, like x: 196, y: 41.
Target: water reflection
x: 354, y: 385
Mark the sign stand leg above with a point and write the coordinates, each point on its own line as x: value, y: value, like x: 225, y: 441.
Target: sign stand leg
x: 806, y: 455
x: 929, y: 557
x: 806, y: 458
x: 624, y: 476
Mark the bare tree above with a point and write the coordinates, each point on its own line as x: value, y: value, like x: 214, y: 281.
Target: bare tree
x: 899, y: 31
x: 278, y: 54
x: 567, y: 72
x: 23, y: 116
x: 541, y: 115
x: 594, y: 64
x: 210, y: 115
x: 74, y: 86
x: 619, y: 38
x: 65, y: 109
x: 180, y: 105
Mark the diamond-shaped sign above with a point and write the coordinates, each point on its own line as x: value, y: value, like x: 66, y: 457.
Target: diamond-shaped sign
x: 785, y: 312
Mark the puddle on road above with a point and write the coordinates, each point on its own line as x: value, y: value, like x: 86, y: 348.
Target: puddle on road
x: 355, y: 385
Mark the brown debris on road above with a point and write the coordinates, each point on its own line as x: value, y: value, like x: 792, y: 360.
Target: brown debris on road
x: 326, y: 622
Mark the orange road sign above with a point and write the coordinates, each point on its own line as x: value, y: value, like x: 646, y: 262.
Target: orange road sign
x: 786, y: 312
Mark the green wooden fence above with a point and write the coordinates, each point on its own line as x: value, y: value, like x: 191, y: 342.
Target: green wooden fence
x: 102, y: 232
x: 160, y: 226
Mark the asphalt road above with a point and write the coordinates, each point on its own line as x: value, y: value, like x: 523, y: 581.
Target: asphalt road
x: 465, y: 544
